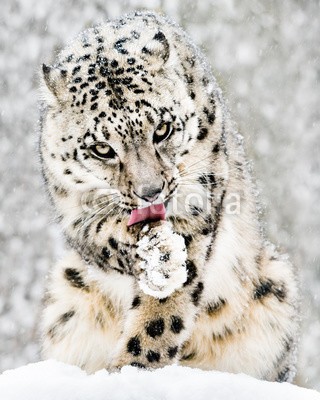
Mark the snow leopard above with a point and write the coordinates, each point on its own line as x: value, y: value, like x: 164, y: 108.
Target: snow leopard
x: 166, y: 261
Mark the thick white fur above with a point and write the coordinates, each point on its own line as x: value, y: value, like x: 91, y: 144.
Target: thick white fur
x: 244, y: 317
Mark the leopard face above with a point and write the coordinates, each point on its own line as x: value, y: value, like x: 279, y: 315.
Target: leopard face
x: 128, y: 109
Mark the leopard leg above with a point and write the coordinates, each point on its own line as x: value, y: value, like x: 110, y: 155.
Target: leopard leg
x: 155, y: 330
x: 83, y: 316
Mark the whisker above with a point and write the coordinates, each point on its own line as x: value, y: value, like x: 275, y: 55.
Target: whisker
x: 193, y: 184
x: 106, y: 201
x: 198, y: 161
x: 200, y: 172
x: 91, y: 217
x: 105, y: 215
x: 83, y: 204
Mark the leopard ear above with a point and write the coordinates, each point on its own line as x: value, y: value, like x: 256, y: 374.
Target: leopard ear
x: 55, y: 84
x: 157, y: 51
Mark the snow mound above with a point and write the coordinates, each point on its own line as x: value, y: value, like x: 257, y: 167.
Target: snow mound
x: 52, y: 380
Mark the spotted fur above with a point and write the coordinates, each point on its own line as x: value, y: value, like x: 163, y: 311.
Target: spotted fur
x: 121, y: 84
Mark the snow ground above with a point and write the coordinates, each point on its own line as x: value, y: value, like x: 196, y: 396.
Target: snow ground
x: 57, y: 381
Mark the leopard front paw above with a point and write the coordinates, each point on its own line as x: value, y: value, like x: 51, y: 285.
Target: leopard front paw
x: 162, y: 255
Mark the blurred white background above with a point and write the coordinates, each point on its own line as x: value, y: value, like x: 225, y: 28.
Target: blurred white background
x: 265, y: 55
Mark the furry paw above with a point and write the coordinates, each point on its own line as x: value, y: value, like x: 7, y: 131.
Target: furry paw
x: 163, y: 255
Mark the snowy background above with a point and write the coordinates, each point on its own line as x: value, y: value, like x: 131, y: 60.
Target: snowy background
x: 265, y: 55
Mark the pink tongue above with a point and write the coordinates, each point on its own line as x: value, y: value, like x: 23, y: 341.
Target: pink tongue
x: 153, y: 212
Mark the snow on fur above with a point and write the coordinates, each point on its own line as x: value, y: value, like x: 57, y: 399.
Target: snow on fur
x: 162, y: 278
x: 52, y: 380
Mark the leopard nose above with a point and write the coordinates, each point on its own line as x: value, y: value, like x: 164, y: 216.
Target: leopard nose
x: 149, y: 193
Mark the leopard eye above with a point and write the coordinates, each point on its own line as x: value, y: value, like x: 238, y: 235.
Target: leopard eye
x: 102, y: 151
x: 162, y: 132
